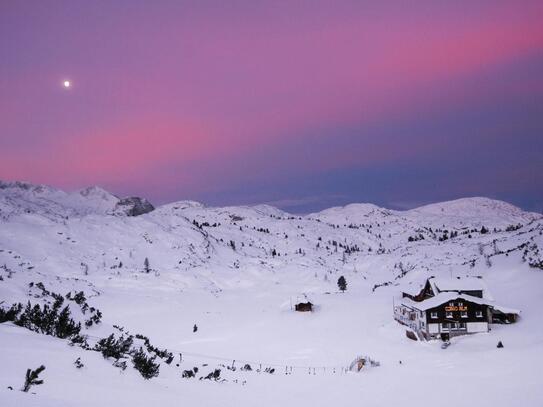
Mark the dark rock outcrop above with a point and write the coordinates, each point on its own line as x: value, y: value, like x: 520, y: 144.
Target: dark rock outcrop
x: 133, y: 206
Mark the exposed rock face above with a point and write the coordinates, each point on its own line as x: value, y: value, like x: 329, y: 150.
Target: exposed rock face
x: 133, y: 206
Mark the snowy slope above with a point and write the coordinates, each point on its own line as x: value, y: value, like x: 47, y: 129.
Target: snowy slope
x: 473, y: 212
x: 233, y: 271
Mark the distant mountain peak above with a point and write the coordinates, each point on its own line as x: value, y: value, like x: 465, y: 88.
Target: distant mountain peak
x: 470, y: 204
x: 96, y: 191
x: 25, y: 186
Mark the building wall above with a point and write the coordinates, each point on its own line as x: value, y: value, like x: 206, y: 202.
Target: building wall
x: 407, y: 316
x: 470, y: 307
x: 474, y: 327
x: 434, y: 329
x: 422, y: 322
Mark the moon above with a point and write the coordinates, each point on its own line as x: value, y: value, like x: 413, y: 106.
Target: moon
x: 67, y: 84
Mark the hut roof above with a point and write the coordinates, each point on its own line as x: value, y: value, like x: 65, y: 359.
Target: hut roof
x: 458, y: 284
x: 505, y: 310
x: 444, y: 297
x: 302, y: 298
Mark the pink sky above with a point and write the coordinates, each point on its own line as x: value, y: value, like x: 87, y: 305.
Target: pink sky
x: 199, y: 98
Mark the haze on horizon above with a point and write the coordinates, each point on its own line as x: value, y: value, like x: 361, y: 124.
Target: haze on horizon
x: 302, y: 105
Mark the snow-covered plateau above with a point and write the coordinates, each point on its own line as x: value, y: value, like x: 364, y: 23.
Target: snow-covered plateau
x: 213, y: 289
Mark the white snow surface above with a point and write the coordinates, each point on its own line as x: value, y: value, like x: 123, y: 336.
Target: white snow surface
x: 226, y: 279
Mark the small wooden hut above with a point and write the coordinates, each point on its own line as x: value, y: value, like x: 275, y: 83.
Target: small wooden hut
x: 304, y: 306
x: 302, y: 303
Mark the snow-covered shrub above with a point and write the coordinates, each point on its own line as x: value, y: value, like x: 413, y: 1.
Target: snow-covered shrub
x: 121, y: 364
x: 114, y: 348
x: 80, y: 340
x: 47, y: 320
x: 214, y: 375
x: 96, y: 318
x: 161, y: 353
x: 31, y: 378
x: 145, y: 364
x: 187, y: 374
x: 79, y: 298
x: 11, y: 313
x: 78, y: 364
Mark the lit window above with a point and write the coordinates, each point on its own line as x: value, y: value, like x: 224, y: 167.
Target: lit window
x: 460, y: 304
x: 479, y: 314
x: 433, y: 315
x: 464, y: 314
x: 451, y: 304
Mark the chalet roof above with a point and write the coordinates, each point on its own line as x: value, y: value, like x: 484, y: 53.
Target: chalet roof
x: 460, y: 284
x: 439, y: 299
x: 444, y: 297
x: 505, y: 310
x: 450, y: 284
x: 413, y: 289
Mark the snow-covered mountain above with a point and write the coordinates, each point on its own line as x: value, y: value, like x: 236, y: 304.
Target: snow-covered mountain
x: 473, y: 212
x: 20, y: 197
x: 85, y: 227
x: 234, y: 271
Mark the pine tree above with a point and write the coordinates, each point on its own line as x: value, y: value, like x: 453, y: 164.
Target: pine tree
x: 342, y: 283
x: 10, y: 314
x: 145, y: 365
x: 49, y: 318
x: 35, y: 317
x: 146, y: 266
x: 31, y: 378
x: 66, y: 326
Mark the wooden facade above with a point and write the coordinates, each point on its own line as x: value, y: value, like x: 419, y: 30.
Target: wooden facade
x: 457, y: 317
x: 439, y: 310
x: 304, y: 307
